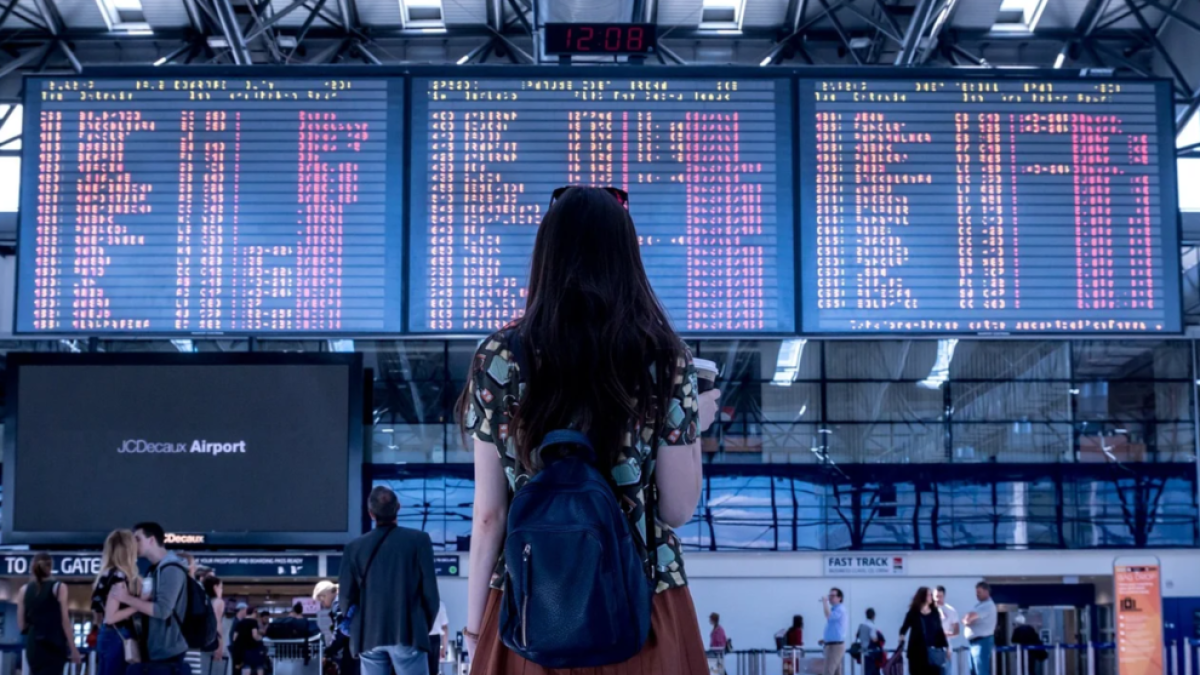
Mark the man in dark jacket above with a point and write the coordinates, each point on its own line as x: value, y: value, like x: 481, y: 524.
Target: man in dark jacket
x: 387, y: 577
x: 1027, y: 636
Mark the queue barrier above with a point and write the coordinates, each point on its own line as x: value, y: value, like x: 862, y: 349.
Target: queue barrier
x: 1180, y: 657
x: 296, y: 657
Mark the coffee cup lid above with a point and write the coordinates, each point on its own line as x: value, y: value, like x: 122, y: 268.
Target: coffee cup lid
x: 705, y: 364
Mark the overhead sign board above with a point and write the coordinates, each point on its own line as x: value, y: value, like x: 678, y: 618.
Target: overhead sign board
x: 865, y: 565
x: 446, y: 565
x: 66, y: 565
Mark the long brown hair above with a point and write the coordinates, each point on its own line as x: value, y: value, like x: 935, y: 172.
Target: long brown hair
x: 598, y: 346
x: 120, y: 553
x: 42, y: 568
x: 923, y: 598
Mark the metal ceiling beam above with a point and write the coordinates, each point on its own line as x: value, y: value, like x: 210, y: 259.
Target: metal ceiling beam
x: 931, y: 40
x: 495, y: 15
x: 1180, y: 78
x: 794, y: 15
x: 50, y: 15
x: 305, y: 27
x: 274, y: 19
x: 841, y: 32
x: 916, y: 28
x: 71, y: 58
x: 7, y: 11
x: 233, y: 32
x: 19, y: 62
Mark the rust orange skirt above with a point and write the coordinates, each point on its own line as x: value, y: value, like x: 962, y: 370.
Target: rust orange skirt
x: 674, y: 647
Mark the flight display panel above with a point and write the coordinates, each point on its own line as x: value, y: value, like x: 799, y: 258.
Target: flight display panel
x: 987, y: 207
x: 707, y: 164
x: 204, y: 204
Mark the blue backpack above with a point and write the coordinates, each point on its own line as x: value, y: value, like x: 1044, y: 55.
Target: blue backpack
x: 577, y: 593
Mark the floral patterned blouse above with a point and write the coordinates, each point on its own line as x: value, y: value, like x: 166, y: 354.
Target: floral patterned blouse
x: 496, y: 390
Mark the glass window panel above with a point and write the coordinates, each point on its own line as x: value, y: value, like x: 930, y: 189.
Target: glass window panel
x: 883, y: 402
x: 1175, y: 442
x: 414, y: 402
x: 741, y: 512
x: 757, y: 359
x: 404, y: 360
x: 1010, y: 360
x: 1132, y: 359
x: 1011, y: 401
x: 397, y: 443
x: 459, y: 355
x: 1016, y: 442
x: 796, y: 402
x: 1133, y: 400
x: 879, y: 360
x: 886, y: 443
x: 790, y: 444
x: 291, y: 346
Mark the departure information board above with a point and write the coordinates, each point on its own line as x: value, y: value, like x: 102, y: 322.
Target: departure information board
x: 707, y: 164
x: 212, y: 204
x: 987, y: 206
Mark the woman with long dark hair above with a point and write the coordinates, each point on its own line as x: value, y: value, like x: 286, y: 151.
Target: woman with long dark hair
x: 923, y: 624
x: 602, y: 359
x: 43, y: 619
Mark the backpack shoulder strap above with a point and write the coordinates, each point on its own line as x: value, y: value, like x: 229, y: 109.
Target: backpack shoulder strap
x: 371, y: 559
x: 183, y: 589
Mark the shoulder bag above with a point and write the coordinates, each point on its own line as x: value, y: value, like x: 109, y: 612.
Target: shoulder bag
x: 346, y: 623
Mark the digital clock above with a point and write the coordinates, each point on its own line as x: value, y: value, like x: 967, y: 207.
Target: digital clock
x: 600, y: 38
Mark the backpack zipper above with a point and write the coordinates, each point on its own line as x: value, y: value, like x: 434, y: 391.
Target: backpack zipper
x: 525, y: 599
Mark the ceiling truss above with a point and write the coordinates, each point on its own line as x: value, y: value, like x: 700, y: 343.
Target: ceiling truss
x: 1121, y: 36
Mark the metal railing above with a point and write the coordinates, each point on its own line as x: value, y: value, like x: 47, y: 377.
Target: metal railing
x: 1180, y: 657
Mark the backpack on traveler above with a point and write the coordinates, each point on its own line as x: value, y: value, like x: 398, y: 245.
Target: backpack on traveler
x: 198, y: 622
x: 577, y: 593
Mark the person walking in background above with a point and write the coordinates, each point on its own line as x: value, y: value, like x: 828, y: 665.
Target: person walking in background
x: 118, y: 567
x: 794, y: 637
x: 189, y: 561
x: 43, y: 620
x: 1027, y: 637
x: 717, y: 638
x: 247, y: 643
x: 389, y: 590
x: 235, y: 648
x: 165, y: 644
x: 952, y: 627
x: 926, y: 644
x: 213, y: 657
x: 325, y: 592
x: 870, y: 644
x: 981, y: 630
x: 439, y: 638
x: 601, y: 358
x: 837, y: 631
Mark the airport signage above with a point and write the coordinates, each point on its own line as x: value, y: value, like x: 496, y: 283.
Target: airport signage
x: 1138, y: 587
x: 443, y: 565
x: 262, y: 566
x: 66, y: 565
x: 865, y: 565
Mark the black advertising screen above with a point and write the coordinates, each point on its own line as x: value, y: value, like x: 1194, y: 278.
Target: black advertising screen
x: 211, y: 204
x: 189, y: 441
x: 936, y: 205
x: 707, y: 163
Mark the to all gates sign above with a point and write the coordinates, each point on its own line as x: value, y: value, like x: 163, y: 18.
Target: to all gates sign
x: 865, y: 565
x: 65, y: 566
